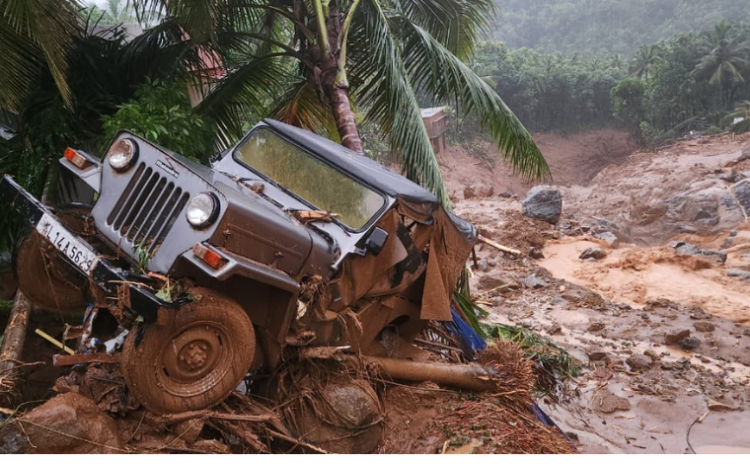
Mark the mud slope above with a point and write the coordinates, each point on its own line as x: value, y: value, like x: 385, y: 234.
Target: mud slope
x: 573, y: 160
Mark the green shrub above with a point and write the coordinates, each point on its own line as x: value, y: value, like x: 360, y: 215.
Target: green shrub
x: 162, y: 114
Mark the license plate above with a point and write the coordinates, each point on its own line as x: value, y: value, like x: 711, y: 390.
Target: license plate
x: 77, y: 252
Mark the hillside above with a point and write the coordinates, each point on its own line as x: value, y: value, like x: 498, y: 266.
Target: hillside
x: 606, y: 26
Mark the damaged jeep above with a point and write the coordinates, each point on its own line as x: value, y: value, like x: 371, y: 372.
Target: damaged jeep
x: 196, y: 277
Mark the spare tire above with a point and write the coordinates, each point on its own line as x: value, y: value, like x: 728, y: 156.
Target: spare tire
x: 46, y: 279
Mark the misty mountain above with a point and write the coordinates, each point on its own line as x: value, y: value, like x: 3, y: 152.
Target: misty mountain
x: 606, y: 26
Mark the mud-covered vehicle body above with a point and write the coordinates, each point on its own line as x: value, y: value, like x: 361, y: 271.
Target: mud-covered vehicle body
x: 289, y: 240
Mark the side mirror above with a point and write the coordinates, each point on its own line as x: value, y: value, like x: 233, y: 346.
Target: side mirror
x: 374, y: 243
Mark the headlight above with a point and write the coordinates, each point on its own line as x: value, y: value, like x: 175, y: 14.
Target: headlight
x: 202, y: 210
x: 122, y: 155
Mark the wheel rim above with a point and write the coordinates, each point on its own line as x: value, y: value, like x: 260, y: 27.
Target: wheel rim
x: 195, y: 360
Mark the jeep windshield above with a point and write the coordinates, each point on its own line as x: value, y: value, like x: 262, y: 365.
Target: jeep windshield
x: 309, y: 178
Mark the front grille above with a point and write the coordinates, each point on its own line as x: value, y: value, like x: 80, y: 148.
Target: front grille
x: 148, y: 207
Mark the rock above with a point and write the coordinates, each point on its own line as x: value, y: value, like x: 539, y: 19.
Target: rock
x: 640, y: 362
x: 718, y: 258
x: 598, y: 356
x: 729, y: 176
x: 543, y: 202
x: 596, y: 327
x: 536, y: 253
x: 742, y: 194
x: 690, y: 343
x: 485, y: 191
x: 190, y: 430
x: 68, y: 423
x: 532, y: 281
x: 676, y: 337
x: 704, y: 326
x: 595, y: 253
x: 484, y: 265
x: 353, y: 426
x: 714, y: 405
x: 478, y: 191
x: 652, y: 354
x: 667, y: 366
x: 554, y: 329
x: 739, y: 273
x: 612, y: 240
x: 489, y: 282
x: 609, y: 402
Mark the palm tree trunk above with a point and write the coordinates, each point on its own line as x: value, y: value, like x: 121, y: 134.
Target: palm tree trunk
x: 346, y: 122
x: 11, y: 350
x: 333, y: 72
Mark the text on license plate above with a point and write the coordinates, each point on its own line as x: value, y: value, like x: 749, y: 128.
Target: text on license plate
x: 78, y: 252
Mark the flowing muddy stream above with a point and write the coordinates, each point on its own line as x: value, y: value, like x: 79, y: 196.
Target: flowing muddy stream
x: 635, y: 275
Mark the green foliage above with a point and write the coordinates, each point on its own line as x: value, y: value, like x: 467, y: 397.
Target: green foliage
x: 161, y: 113
x: 550, y: 92
x: 605, y: 26
x: 36, y: 38
x: 628, y: 97
x: 108, y: 73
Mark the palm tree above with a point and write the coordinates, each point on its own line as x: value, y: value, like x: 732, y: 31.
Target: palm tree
x: 727, y: 60
x: 312, y: 62
x: 35, y: 36
x: 120, y: 11
x: 644, y: 61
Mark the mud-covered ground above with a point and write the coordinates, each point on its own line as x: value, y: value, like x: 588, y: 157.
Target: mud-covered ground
x: 665, y: 337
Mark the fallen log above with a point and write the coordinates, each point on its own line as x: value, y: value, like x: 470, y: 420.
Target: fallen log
x: 497, y: 246
x: 466, y: 376
x: 11, y: 350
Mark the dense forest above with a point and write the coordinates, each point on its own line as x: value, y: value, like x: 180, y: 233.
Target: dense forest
x: 692, y: 81
x: 606, y: 26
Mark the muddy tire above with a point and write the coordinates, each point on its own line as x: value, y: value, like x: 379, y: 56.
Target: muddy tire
x: 193, y: 358
x: 46, y: 279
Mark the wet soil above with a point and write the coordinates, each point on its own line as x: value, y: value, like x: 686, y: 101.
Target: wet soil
x: 621, y: 316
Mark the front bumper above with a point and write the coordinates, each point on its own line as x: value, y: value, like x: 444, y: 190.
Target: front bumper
x: 103, y: 274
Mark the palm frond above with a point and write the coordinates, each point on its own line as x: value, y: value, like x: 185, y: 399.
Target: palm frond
x: 48, y: 26
x: 389, y: 97
x: 301, y: 106
x: 433, y: 69
x: 457, y: 25
x: 245, y: 95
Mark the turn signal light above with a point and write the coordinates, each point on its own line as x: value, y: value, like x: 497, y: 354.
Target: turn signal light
x: 210, y: 257
x: 76, y: 158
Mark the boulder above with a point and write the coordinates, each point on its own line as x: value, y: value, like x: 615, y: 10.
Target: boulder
x: 690, y: 343
x: 718, y: 258
x: 742, y: 194
x: 533, y: 281
x: 676, y: 337
x: 489, y: 282
x: 593, y: 252
x: 704, y: 326
x: 640, y: 362
x: 739, y: 273
x: 69, y: 423
x: 544, y: 202
x: 612, y: 240
x: 469, y: 193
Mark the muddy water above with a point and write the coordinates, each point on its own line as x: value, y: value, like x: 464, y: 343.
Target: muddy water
x: 716, y: 449
x: 635, y: 275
